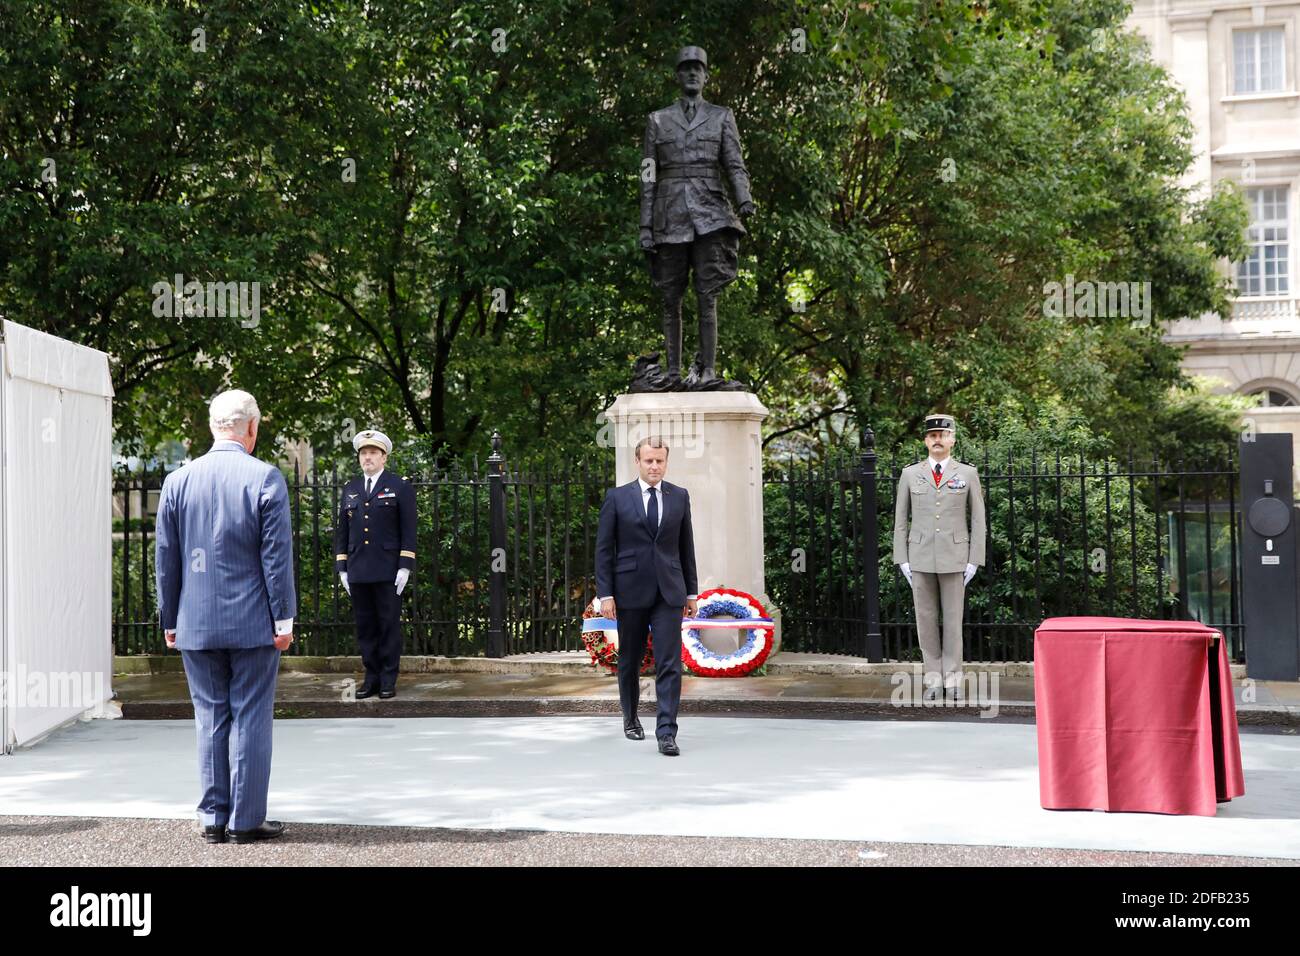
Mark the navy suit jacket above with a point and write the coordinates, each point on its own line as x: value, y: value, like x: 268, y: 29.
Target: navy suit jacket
x: 631, y: 561
x: 224, y: 552
x: 375, y: 536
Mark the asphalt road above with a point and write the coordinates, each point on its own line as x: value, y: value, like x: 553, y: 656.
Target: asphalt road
x: 89, y: 841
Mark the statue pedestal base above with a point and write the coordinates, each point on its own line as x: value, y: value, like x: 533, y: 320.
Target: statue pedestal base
x: 715, y: 452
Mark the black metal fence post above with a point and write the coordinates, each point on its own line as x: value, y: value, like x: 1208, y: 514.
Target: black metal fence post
x: 496, y: 635
x: 875, y: 645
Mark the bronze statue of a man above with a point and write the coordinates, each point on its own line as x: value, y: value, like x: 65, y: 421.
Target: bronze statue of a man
x: 687, y: 222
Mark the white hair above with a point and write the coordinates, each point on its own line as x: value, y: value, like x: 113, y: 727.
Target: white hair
x: 230, y: 410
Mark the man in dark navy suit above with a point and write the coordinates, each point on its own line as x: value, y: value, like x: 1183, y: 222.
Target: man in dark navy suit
x: 374, y: 553
x: 645, y: 579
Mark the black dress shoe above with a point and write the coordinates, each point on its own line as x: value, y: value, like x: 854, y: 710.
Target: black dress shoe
x: 668, y: 747
x: 364, y: 692
x: 632, y: 729
x: 215, y: 834
x: 388, y: 694
x: 269, y: 830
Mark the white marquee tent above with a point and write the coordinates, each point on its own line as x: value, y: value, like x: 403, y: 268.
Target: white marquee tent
x: 56, y: 413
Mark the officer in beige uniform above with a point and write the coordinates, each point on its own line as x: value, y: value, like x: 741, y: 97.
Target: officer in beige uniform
x: 940, y: 553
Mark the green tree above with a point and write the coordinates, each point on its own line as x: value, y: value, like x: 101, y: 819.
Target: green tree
x: 438, y: 201
x: 1049, y: 148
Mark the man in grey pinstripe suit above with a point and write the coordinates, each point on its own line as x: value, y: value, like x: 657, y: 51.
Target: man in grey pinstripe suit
x: 224, y: 561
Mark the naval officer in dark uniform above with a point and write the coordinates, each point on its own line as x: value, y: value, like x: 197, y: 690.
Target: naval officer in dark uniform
x: 374, y: 554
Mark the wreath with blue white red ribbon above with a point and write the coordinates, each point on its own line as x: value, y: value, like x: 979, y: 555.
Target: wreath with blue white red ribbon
x: 715, y: 605
x: 600, y: 638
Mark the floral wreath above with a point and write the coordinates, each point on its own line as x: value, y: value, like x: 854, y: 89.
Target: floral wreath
x: 601, y: 641
x: 752, y: 654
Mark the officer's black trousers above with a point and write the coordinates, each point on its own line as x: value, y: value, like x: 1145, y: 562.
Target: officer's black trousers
x: 664, y: 621
x: 376, y: 608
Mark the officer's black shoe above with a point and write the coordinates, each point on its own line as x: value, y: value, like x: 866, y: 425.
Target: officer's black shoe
x: 269, y: 830
x: 388, y: 694
x: 215, y: 834
x: 668, y: 747
x: 632, y: 729
x: 364, y: 692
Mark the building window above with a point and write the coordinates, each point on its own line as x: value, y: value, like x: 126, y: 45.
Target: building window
x: 1272, y: 398
x: 1264, y: 271
x: 1259, y: 60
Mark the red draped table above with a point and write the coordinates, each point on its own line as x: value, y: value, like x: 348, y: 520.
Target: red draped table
x: 1134, y: 715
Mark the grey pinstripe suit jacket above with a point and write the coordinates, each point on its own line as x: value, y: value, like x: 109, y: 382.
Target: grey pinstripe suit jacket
x: 224, y: 555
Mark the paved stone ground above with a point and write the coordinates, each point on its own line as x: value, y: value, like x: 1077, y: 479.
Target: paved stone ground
x: 101, y: 841
x: 849, y: 781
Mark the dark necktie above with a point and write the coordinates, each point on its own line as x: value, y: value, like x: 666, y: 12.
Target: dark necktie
x: 369, y: 485
x: 690, y: 113
x: 938, y: 474
x: 653, y: 513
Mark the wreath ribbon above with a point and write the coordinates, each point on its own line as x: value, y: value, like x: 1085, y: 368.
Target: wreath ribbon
x: 747, y: 615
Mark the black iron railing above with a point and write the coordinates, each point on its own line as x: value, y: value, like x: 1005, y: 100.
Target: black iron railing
x: 1066, y: 536
x: 505, y: 554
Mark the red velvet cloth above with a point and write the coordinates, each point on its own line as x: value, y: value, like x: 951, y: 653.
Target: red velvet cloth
x: 1131, y: 717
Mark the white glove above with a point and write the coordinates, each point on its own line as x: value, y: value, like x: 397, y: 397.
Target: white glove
x: 403, y: 574
x: 343, y: 579
x: 970, y: 573
x: 907, y: 571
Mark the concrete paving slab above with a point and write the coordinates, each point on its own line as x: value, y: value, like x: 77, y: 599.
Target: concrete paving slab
x: 899, y: 781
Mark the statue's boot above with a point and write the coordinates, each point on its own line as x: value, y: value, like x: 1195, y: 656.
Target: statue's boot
x: 703, y: 377
x: 672, y: 319
x: 708, y: 307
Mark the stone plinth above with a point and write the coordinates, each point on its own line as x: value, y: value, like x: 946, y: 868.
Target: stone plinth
x: 715, y: 453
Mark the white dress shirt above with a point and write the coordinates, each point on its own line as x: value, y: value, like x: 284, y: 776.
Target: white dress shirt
x: 373, y: 479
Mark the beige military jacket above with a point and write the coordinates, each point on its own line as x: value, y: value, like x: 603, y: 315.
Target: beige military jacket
x: 939, y: 541
x: 685, y: 198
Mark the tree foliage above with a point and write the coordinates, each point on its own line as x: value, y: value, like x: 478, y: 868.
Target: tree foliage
x: 438, y: 202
